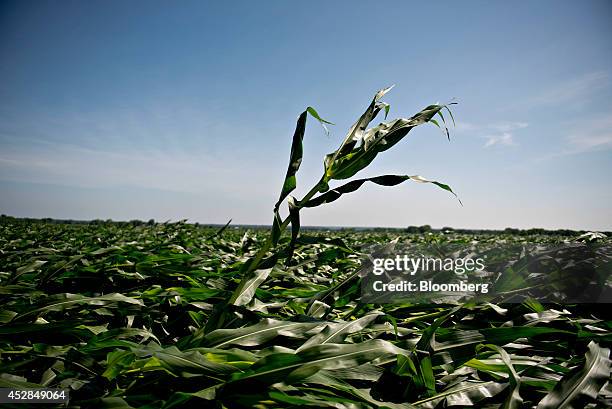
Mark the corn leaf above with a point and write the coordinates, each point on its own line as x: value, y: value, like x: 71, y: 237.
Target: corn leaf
x: 585, y: 384
x: 385, y: 180
x: 258, y: 334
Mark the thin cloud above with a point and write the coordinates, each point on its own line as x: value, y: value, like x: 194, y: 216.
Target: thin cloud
x: 576, y: 91
x: 590, y: 136
x: 71, y: 165
x: 584, y: 143
x: 500, y: 133
x: 585, y: 137
x: 506, y: 139
x: 510, y: 126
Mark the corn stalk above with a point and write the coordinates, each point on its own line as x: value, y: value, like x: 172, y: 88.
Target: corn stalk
x: 358, y: 150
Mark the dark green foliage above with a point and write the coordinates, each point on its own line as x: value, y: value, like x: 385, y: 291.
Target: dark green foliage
x: 117, y: 314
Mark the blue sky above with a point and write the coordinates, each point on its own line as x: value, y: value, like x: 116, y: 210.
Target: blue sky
x: 185, y: 110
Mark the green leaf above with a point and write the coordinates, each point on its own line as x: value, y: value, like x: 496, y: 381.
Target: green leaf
x: 339, y: 387
x: 339, y: 356
x: 220, y: 231
x: 317, y: 309
x: 294, y: 217
x: 276, y: 228
x: 316, y: 116
x: 246, y: 289
x: 189, y: 363
x: 514, y: 400
x: 356, y: 132
x: 586, y: 383
x: 336, y: 332
x: 258, y: 334
x: 385, y: 180
x: 310, y: 400
x: 444, y: 122
x: 6, y: 316
x: 450, y: 113
x: 32, y: 266
x: 61, y: 302
x: 361, y: 146
x: 293, y: 368
x: 116, y: 362
x: 17, y: 382
x: 387, y: 108
x: 295, y: 160
x: 297, y: 152
x: 466, y: 393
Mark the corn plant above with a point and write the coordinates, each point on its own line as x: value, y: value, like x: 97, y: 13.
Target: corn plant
x: 358, y: 149
x: 356, y: 152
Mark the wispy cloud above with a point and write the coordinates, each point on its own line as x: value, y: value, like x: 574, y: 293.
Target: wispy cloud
x: 500, y: 133
x: 576, y: 91
x: 71, y: 165
x: 173, y: 148
x: 504, y: 139
x: 585, y: 143
x: 586, y: 136
x: 590, y: 136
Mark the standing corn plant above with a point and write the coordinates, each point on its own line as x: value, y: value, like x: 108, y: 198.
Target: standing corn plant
x: 358, y: 150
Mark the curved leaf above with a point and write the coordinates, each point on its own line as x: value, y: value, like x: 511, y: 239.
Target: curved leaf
x: 356, y: 132
x: 584, y: 384
x: 60, y: 302
x: 295, y: 159
x: 246, y: 289
x: 190, y: 363
x: 297, y: 151
x: 514, y: 400
x: 258, y: 334
x: 464, y: 394
x: 291, y: 368
x: 335, y: 333
x: 385, y: 180
x: 345, y: 163
x: 294, y: 217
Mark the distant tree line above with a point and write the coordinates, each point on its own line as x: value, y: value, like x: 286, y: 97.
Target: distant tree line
x: 410, y: 229
x: 509, y: 230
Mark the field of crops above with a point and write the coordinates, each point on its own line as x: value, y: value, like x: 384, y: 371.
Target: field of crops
x: 157, y: 316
